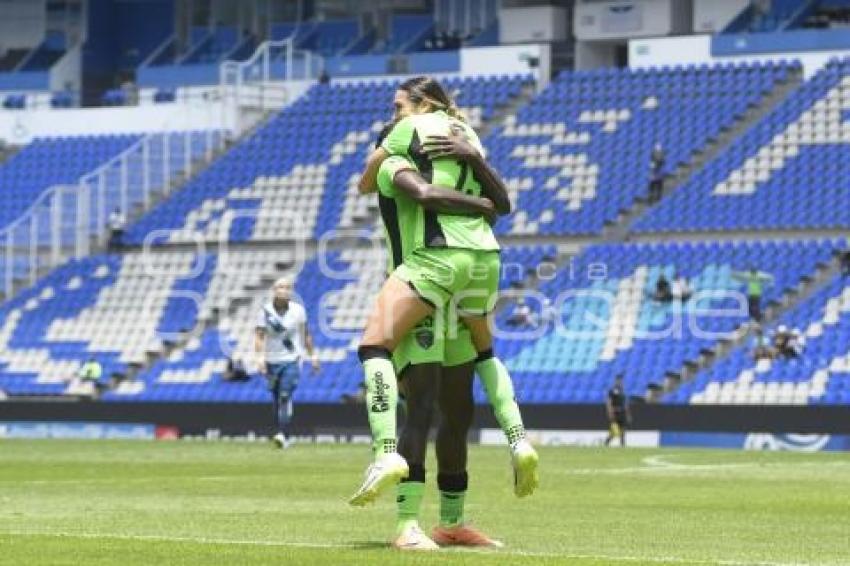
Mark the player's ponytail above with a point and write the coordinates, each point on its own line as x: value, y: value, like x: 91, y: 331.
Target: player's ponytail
x: 456, y: 112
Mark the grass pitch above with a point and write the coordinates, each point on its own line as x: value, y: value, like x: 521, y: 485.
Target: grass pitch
x: 136, y: 502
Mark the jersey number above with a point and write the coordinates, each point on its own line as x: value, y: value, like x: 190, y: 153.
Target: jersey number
x: 461, y: 179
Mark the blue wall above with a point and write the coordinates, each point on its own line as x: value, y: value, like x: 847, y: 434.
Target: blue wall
x: 117, y: 27
x: 25, y: 80
x: 780, y: 42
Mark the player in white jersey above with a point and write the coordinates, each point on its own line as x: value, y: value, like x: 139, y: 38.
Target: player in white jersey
x: 281, y: 339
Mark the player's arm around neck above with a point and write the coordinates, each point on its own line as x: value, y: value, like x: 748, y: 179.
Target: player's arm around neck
x: 440, y: 199
x: 458, y: 146
x: 492, y: 185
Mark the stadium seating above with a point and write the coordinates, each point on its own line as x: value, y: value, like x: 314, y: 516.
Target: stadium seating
x: 821, y: 375
x: 46, y: 162
x: 611, y: 325
x: 787, y: 172
x: 51, y: 161
x: 339, y: 288
x: 586, y: 140
x: 259, y: 191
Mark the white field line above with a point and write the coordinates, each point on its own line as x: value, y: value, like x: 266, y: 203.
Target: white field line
x: 353, y: 546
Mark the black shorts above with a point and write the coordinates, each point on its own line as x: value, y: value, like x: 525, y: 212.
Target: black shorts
x: 620, y: 419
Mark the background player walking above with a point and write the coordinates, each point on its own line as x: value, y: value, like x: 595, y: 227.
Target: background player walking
x: 280, y: 341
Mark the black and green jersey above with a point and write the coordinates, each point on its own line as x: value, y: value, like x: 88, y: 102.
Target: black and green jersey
x: 433, y: 230
x: 400, y: 213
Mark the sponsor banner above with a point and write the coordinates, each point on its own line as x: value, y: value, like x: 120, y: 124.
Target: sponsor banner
x: 76, y: 430
x: 638, y: 438
x: 758, y: 441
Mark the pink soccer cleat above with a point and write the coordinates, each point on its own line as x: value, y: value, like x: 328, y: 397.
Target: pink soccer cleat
x: 463, y: 535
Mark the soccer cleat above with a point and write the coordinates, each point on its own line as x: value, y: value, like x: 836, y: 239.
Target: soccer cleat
x: 281, y: 441
x: 412, y: 538
x: 524, y: 459
x: 463, y: 535
x: 386, y: 471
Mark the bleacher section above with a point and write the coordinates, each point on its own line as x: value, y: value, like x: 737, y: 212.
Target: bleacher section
x: 612, y: 325
x: 787, y: 171
x: 268, y: 185
x: 578, y: 155
x: 46, y: 162
x: 51, y: 161
x: 821, y: 375
x: 120, y: 308
x: 609, y: 325
x: 339, y: 288
x: 575, y: 157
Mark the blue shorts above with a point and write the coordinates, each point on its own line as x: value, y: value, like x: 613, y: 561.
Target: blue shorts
x: 283, y: 378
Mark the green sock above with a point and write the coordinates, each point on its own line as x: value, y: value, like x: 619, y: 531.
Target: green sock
x: 381, y: 401
x: 451, y: 508
x: 409, y: 502
x: 500, y: 392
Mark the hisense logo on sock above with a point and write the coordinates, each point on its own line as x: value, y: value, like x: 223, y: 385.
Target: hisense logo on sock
x: 380, y: 401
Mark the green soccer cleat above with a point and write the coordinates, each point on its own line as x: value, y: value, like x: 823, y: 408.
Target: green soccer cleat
x: 524, y: 460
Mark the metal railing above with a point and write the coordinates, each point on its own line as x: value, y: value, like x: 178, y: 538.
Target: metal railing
x: 65, y: 221
x: 259, y: 83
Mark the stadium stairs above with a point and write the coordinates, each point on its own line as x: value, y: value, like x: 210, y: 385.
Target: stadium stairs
x: 621, y: 229
x: 808, y: 286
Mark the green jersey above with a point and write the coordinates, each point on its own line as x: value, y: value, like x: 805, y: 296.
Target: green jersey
x: 400, y: 213
x: 427, y: 342
x: 433, y: 230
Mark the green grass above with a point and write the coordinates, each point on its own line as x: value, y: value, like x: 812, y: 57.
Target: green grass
x: 151, y: 503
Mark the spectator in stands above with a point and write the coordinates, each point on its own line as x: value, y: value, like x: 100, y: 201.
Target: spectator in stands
x: 845, y: 261
x: 797, y: 343
x: 656, y: 182
x: 762, y: 349
x: 781, y: 340
x: 131, y: 91
x: 87, y: 381
x: 761, y: 9
x: 521, y: 316
x: 235, y: 370
x: 788, y: 343
x: 548, y: 313
x: 754, y: 280
x: 91, y: 370
x: 617, y: 408
x: 117, y: 221
x: 324, y: 77
x: 681, y: 290
x: 663, y: 292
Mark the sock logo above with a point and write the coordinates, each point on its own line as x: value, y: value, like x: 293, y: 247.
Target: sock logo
x: 380, y: 399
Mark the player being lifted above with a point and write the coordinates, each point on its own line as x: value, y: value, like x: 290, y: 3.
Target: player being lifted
x: 454, y: 265
x: 281, y: 338
x: 431, y: 368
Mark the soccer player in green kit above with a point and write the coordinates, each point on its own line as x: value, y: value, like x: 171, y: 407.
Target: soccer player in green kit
x: 455, y: 258
x: 431, y: 367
